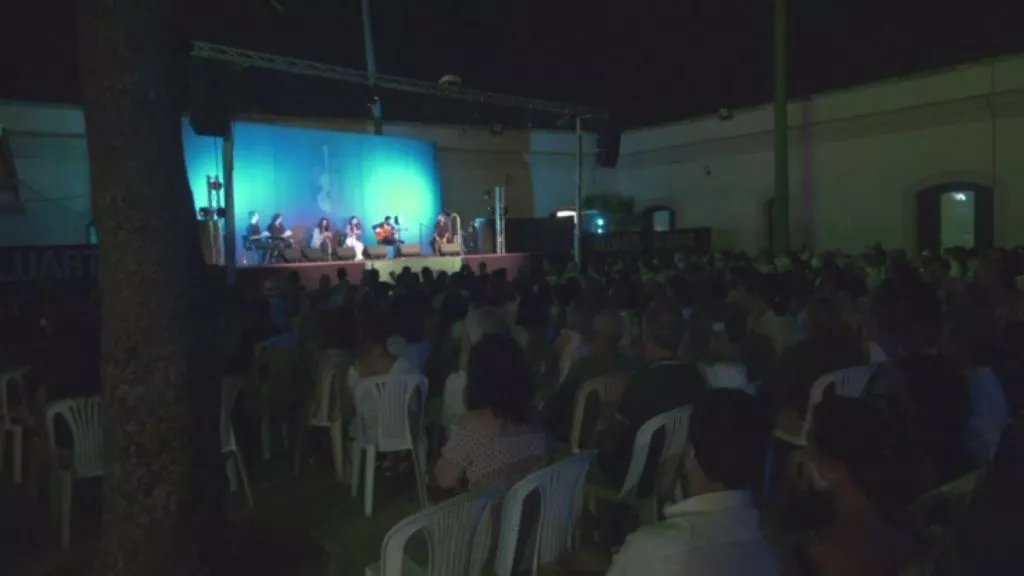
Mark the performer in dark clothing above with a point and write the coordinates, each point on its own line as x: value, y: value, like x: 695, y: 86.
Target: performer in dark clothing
x: 442, y: 233
x: 280, y: 236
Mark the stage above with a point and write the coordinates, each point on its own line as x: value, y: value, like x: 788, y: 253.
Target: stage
x: 250, y: 277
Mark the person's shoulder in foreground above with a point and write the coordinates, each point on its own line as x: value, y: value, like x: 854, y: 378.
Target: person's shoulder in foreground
x: 716, y: 531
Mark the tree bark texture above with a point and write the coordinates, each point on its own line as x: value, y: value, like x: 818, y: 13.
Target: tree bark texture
x: 163, y: 478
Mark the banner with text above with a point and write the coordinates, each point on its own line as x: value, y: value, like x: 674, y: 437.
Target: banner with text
x: 48, y: 263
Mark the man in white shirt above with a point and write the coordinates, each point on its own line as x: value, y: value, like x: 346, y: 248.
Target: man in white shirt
x: 714, y: 532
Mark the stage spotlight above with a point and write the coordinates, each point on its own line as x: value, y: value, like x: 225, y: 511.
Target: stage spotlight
x: 221, y: 213
x: 600, y: 222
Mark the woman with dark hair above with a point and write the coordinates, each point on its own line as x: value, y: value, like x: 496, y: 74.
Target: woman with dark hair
x: 499, y: 440
x: 322, y: 238
x: 354, y: 236
x: 866, y: 465
x: 280, y: 237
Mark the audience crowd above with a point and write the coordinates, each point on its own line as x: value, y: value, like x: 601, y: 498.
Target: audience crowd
x: 851, y: 414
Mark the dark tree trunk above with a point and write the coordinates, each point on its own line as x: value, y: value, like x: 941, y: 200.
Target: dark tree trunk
x: 163, y: 480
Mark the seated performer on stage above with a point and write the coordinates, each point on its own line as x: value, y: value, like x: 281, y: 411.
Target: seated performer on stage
x: 442, y: 233
x: 354, y: 236
x: 255, y: 238
x: 386, y: 233
x: 322, y: 238
x: 280, y: 237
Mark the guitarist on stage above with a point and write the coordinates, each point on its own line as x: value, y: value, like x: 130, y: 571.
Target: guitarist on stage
x: 386, y: 233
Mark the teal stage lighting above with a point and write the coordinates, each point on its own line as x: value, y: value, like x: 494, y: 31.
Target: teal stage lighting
x: 308, y: 174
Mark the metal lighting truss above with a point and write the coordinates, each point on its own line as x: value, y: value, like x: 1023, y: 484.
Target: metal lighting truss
x: 246, y: 58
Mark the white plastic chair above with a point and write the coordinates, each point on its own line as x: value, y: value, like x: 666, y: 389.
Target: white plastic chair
x: 383, y: 424
x: 323, y: 415
x: 83, y: 417
x: 847, y: 382
x: 560, y: 487
x: 454, y: 403
x: 458, y: 532
x: 228, y: 443
x: 8, y: 421
x: 609, y: 391
x: 676, y: 426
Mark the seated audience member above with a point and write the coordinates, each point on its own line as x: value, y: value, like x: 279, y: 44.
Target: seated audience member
x: 864, y: 462
x: 665, y: 383
x: 752, y: 294
x: 924, y: 390
x: 374, y: 359
x: 602, y: 339
x: 716, y: 530
x: 719, y: 360
x: 825, y: 349
x: 499, y: 440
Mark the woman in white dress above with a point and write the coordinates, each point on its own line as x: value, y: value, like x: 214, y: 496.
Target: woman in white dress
x: 354, y: 236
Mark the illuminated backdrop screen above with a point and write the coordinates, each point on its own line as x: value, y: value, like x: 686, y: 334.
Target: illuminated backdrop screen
x: 308, y: 174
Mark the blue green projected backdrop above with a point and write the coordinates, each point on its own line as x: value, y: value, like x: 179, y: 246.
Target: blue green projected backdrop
x: 308, y: 174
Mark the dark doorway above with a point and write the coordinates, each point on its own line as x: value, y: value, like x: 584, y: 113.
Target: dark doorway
x: 955, y: 214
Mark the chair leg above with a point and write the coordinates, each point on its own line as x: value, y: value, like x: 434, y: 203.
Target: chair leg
x: 229, y: 469
x: 265, y: 437
x: 66, y: 486
x: 245, y: 476
x: 356, y: 453
x: 17, y: 453
x: 337, y: 451
x: 419, y: 463
x: 368, y: 477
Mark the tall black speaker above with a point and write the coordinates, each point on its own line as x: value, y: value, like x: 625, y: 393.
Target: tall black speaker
x: 210, y: 98
x: 608, y: 147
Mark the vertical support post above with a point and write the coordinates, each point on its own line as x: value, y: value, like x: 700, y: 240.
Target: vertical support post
x: 231, y: 242
x: 577, y: 244
x: 371, y: 67
x: 780, y: 208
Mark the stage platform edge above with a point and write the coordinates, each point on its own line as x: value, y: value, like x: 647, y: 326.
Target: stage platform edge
x: 309, y: 273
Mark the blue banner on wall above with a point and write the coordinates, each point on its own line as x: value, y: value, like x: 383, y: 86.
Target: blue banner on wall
x: 307, y: 174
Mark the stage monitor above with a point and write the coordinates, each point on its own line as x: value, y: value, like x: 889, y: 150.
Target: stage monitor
x: 307, y: 174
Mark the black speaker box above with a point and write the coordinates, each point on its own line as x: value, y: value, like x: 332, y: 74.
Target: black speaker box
x: 377, y: 252
x: 345, y: 253
x: 449, y: 249
x: 313, y: 254
x: 608, y: 147
x: 411, y: 250
x: 210, y: 98
x: 291, y: 255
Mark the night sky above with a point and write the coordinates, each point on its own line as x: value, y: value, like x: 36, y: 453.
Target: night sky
x: 648, y: 61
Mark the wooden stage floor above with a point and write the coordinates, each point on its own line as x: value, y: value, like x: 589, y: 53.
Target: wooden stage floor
x: 310, y: 272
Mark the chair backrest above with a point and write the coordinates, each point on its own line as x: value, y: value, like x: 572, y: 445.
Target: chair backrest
x: 383, y: 404
x: 676, y: 427
x: 456, y: 531
x: 609, y: 390
x: 84, y: 418
x: 228, y: 393
x: 990, y: 413
x: 13, y: 376
x: 454, y: 399
x: 332, y: 367
x: 847, y: 382
x: 560, y: 487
